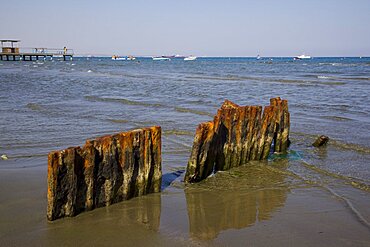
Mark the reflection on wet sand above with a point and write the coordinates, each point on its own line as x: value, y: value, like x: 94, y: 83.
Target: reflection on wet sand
x: 235, y: 199
x: 120, y: 223
x: 146, y: 210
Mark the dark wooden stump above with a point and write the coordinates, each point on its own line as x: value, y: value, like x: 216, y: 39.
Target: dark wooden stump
x: 321, y: 141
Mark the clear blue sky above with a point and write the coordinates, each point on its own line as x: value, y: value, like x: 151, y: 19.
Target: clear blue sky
x: 199, y: 27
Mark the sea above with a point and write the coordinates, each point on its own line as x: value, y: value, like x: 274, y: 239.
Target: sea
x: 54, y: 104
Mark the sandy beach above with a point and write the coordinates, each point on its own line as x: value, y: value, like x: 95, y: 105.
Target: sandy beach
x: 258, y: 207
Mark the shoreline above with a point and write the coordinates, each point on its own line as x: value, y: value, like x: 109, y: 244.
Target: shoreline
x: 289, y: 215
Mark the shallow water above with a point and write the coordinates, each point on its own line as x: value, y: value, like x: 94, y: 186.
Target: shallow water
x: 55, y: 104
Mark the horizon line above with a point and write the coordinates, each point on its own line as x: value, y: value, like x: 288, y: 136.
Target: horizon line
x: 218, y: 56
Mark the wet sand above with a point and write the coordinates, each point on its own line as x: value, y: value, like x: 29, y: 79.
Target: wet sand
x: 254, y: 205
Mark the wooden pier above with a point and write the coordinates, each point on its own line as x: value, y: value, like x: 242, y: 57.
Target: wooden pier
x: 10, y: 51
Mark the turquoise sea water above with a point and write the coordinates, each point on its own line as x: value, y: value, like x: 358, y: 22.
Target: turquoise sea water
x: 51, y: 105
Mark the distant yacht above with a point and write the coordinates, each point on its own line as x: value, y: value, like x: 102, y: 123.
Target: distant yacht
x: 190, y: 58
x: 302, y: 57
x: 162, y: 58
x: 258, y: 57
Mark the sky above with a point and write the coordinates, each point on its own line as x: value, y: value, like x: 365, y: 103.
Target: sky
x: 191, y: 27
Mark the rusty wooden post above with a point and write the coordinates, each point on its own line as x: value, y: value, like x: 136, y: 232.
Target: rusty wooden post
x: 104, y: 171
x: 237, y: 135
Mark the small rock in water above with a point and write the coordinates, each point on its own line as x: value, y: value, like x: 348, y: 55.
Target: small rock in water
x: 321, y: 141
x: 4, y: 157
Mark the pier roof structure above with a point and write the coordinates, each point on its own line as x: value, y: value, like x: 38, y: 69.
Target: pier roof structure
x: 9, y: 41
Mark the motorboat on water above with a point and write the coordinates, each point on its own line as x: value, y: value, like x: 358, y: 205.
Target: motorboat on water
x: 190, y: 58
x: 302, y: 57
x: 162, y: 58
x: 169, y: 56
x: 125, y: 58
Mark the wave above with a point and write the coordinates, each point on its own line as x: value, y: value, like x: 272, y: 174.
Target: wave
x: 353, y: 210
x: 23, y: 156
x: 122, y: 101
x: 350, y: 146
x: 301, y: 82
x: 231, y: 78
x: 335, y: 143
x: 182, y: 143
x: 343, y: 64
x: 118, y: 120
x: 325, y: 184
x: 332, y: 83
x: 357, y: 78
x: 21, y: 167
x: 58, y: 111
x: 337, y: 118
x: 220, y: 78
x: 35, y: 107
x: 326, y: 107
x: 197, y: 112
x: 328, y: 75
x: 344, y: 78
x: 354, y: 182
x: 178, y: 132
x: 308, y: 83
x: 178, y: 151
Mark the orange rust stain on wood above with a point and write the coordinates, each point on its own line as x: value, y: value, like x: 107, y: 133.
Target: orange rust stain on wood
x: 78, y: 174
x: 238, y: 134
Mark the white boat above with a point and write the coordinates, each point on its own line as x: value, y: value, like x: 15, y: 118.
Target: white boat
x: 161, y: 58
x: 302, y: 57
x: 190, y: 58
x: 125, y: 58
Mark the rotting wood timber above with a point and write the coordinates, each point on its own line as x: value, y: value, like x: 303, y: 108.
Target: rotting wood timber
x: 106, y: 170
x: 321, y: 141
x: 236, y: 135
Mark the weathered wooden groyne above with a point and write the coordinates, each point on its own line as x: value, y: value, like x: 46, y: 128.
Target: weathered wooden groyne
x: 236, y: 135
x: 106, y: 170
